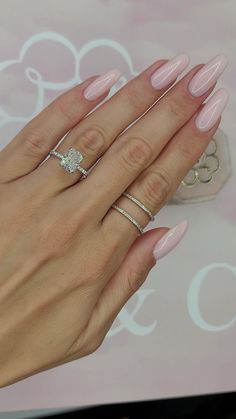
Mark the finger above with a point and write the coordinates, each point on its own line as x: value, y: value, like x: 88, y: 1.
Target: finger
x: 131, y: 274
x: 93, y: 136
x: 159, y: 181
x: 140, y: 145
x: 33, y: 143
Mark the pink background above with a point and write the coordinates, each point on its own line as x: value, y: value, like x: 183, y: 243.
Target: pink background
x: 168, y: 340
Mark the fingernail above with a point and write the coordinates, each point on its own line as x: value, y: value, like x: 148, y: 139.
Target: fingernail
x: 169, y: 71
x: 170, y: 240
x: 100, y: 85
x: 207, y: 75
x: 212, y: 110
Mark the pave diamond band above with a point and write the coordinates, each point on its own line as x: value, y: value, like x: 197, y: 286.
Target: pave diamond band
x: 70, y: 161
x: 140, y: 204
x: 129, y: 217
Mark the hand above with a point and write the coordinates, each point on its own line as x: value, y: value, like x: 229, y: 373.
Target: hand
x: 68, y: 261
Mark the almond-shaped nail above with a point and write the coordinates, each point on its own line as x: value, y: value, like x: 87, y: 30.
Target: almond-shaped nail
x: 169, y: 71
x: 207, y: 76
x: 101, y: 84
x: 170, y: 240
x: 212, y: 110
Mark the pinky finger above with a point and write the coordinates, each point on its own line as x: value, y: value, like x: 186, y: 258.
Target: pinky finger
x: 141, y: 258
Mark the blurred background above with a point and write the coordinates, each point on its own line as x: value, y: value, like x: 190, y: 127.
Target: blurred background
x: 177, y: 336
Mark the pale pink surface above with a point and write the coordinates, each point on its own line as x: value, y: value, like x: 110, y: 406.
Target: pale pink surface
x: 100, y: 85
x: 178, y: 356
x: 206, y: 77
x: 169, y: 71
x: 212, y: 110
x: 170, y: 240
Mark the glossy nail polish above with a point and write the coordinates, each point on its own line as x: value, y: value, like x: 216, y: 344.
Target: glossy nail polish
x: 100, y: 85
x: 170, y: 240
x: 207, y: 75
x: 169, y: 71
x: 212, y: 110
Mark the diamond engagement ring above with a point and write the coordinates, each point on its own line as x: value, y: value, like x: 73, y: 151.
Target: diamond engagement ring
x: 70, y: 161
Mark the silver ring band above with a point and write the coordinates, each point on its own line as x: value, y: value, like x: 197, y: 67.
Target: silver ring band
x: 70, y: 161
x: 129, y: 217
x: 140, y: 204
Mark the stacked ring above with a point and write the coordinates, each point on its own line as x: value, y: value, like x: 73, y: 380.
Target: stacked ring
x: 129, y: 216
x: 71, y: 163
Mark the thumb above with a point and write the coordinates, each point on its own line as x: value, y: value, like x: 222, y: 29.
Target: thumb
x: 131, y: 274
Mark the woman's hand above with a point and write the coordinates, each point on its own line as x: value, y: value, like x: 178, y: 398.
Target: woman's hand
x: 68, y: 261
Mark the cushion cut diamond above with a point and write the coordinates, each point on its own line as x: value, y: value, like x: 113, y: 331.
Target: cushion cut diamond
x: 71, y: 160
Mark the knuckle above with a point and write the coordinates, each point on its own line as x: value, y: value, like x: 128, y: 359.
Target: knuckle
x: 95, y: 276
x: 66, y: 107
x: 135, y: 279
x: 187, y: 151
x: 156, y: 187
x: 177, y: 108
x: 53, y: 242
x: 134, y: 98
x: 35, y: 144
x: 136, y: 153
x: 93, y: 140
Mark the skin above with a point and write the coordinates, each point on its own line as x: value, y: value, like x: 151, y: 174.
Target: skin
x: 68, y: 262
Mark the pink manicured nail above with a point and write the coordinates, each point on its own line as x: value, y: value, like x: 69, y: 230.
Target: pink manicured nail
x: 170, y: 240
x: 102, y: 84
x: 169, y: 71
x: 207, y: 75
x: 212, y: 110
